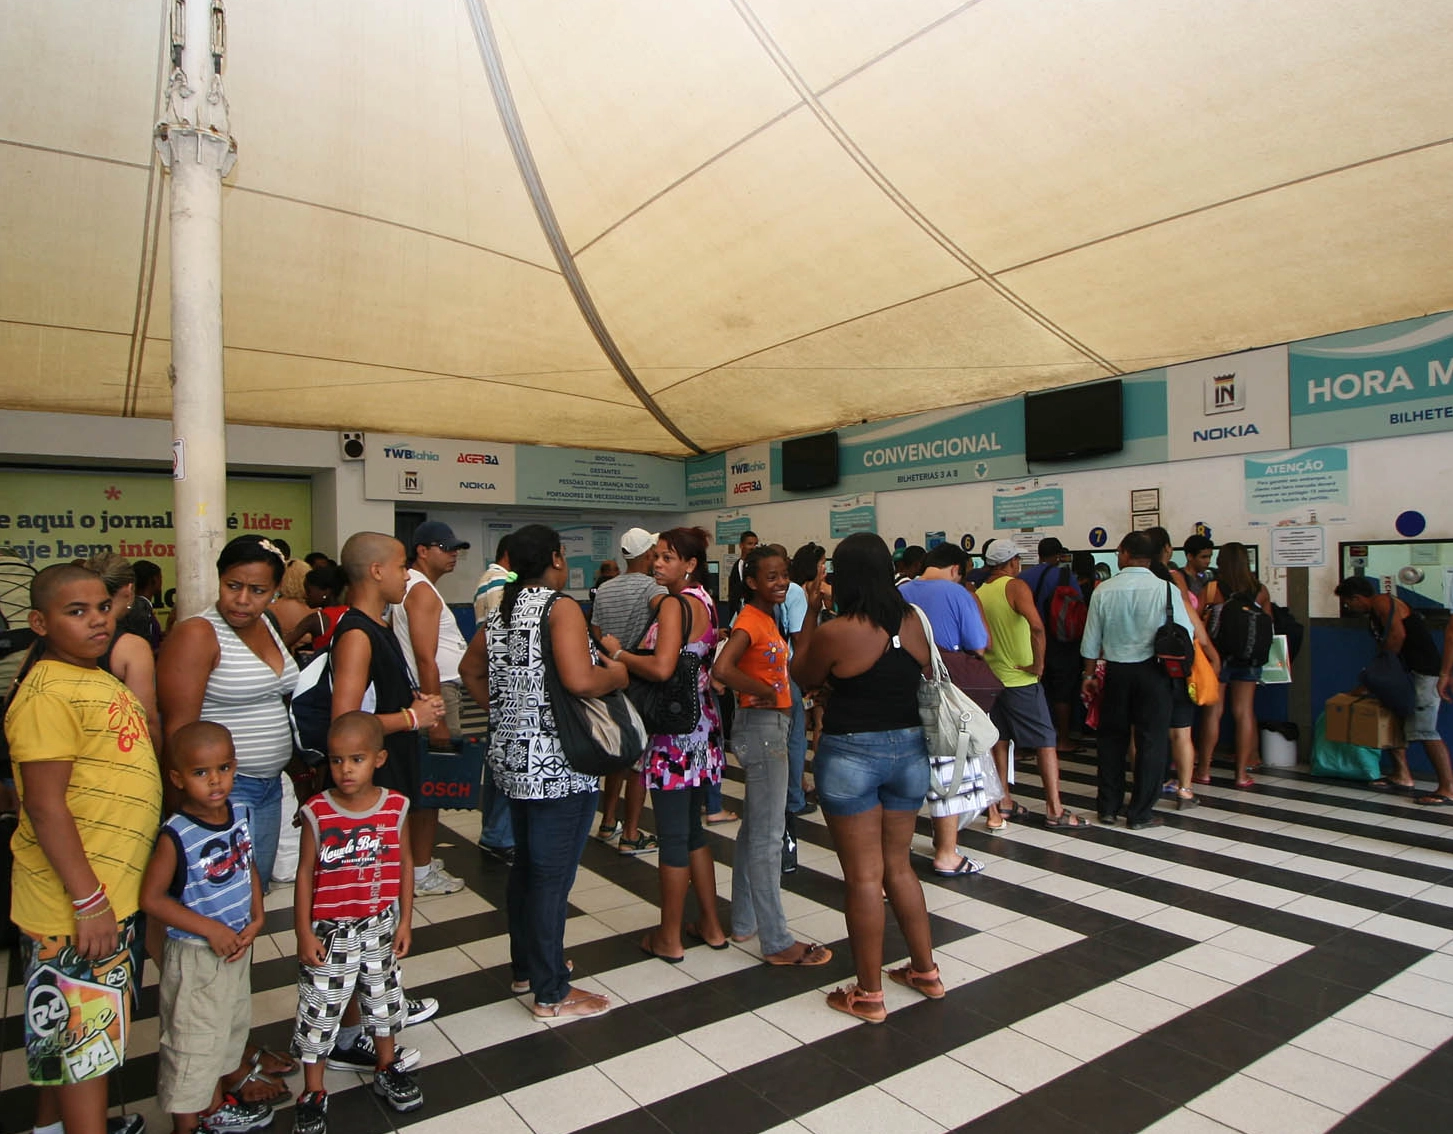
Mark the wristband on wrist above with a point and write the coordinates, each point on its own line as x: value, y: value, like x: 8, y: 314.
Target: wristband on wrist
x: 99, y: 893
x: 413, y: 720
x: 617, y: 655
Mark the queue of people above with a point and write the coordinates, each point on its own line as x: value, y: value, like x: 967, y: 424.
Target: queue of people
x: 155, y: 786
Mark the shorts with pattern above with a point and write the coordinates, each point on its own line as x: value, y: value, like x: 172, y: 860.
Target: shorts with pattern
x: 358, y: 953
x: 78, y: 1011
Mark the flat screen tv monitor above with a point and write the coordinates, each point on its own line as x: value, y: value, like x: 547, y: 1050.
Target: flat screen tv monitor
x: 809, y: 463
x: 1074, y: 422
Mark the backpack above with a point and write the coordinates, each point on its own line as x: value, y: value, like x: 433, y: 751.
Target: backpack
x: 310, y: 710
x: 1241, y: 630
x: 1173, y: 645
x: 1067, y: 609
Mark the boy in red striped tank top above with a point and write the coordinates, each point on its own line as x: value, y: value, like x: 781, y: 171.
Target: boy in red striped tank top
x: 352, y: 911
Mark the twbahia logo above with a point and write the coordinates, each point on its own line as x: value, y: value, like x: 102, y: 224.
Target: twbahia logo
x: 396, y: 454
x: 740, y: 467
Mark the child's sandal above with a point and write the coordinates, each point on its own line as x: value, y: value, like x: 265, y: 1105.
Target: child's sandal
x: 866, y: 1006
x: 927, y: 983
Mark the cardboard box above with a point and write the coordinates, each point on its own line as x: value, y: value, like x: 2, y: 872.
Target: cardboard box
x: 1355, y: 718
x: 1339, y: 717
x: 1374, y: 726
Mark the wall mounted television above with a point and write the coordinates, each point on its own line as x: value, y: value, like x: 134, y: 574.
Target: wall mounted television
x: 1074, y: 422
x: 810, y: 463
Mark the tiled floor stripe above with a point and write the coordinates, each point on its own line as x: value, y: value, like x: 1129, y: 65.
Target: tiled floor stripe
x: 1274, y: 960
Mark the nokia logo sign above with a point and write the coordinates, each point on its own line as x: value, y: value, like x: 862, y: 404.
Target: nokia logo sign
x: 477, y: 485
x: 1225, y: 432
x: 1224, y: 394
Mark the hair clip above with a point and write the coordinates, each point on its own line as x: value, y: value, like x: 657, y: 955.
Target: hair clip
x: 269, y: 546
x: 511, y: 577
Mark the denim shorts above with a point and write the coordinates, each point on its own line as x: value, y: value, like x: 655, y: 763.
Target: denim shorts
x: 858, y: 771
x: 1231, y: 672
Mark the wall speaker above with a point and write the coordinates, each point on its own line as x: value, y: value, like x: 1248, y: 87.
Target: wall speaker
x: 350, y: 445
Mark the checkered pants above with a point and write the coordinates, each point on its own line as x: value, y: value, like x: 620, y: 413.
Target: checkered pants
x: 359, y: 953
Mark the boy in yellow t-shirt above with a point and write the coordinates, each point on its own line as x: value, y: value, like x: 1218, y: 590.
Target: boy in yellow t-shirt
x: 90, y: 797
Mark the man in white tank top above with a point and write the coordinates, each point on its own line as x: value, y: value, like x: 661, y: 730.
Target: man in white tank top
x: 432, y: 646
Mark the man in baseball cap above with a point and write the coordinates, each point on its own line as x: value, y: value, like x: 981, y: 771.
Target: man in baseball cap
x: 436, y: 533
x: 623, y: 608
x: 637, y: 542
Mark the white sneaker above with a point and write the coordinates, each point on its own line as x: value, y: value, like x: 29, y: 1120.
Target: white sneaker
x: 436, y: 882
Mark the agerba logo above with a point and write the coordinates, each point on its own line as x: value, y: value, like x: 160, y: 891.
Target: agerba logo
x: 477, y: 459
x: 395, y: 453
x: 746, y: 486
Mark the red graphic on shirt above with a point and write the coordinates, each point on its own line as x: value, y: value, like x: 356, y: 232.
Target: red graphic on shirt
x: 222, y: 858
x: 123, y: 719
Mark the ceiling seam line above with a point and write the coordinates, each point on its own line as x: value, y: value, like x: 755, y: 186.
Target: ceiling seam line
x: 1237, y: 199
x: 688, y: 175
x: 747, y: 137
x: 898, y: 198
x: 355, y: 215
x: 58, y: 152
x: 524, y: 158
x: 1169, y: 219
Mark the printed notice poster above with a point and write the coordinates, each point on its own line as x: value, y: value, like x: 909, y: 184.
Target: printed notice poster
x: 1299, y: 547
x: 1300, y: 489
x: 731, y: 526
x: 849, y: 514
x: 1034, y: 503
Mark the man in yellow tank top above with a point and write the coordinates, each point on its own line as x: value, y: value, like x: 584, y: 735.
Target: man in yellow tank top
x: 1016, y: 655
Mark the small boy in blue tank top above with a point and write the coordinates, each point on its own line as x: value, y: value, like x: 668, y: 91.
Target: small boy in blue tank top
x: 202, y: 884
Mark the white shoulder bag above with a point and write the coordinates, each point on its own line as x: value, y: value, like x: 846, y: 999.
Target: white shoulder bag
x: 959, y: 736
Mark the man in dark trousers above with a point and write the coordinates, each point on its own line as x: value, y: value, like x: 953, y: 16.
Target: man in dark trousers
x: 1125, y: 612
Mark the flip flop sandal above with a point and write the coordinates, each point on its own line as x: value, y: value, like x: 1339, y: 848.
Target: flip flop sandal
x: 692, y: 932
x: 811, y: 957
x: 270, y: 1092
x: 289, y: 1064
x: 1065, y: 819
x: 965, y: 866
x: 646, y: 949
x: 728, y: 817
x: 1433, y: 800
x: 1016, y: 814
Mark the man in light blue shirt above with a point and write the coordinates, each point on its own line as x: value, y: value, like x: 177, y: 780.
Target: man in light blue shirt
x: 1124, y: 615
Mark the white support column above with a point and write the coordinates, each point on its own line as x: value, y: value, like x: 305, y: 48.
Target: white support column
x: 196, y: 147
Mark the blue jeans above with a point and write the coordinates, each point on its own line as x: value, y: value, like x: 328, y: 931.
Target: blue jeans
x: 796, y: 752
x: 713, y: 798
x: 550, y: 836
x: 858, y: 771
x: 264, y: 798
x: 497, y: 830
x: 761, y: 749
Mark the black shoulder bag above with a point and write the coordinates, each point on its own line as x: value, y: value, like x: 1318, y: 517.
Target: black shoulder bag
x: 1174, y: 649
x: 671, y: 707
x: 599, y: 735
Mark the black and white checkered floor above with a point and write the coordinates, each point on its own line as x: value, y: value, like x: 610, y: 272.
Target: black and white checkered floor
x: 1277, y: 961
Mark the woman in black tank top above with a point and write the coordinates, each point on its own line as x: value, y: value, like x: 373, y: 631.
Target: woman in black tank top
x: 871, y: 765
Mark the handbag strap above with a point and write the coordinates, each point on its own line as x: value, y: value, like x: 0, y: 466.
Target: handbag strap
x: 1170, y: 614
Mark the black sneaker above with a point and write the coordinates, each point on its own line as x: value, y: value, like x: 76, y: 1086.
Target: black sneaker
x: 236, y: 1117
x: 398, y: 1087
x: 417, y: 1011
x: 310, y: 1116
x: 363, y: 1056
